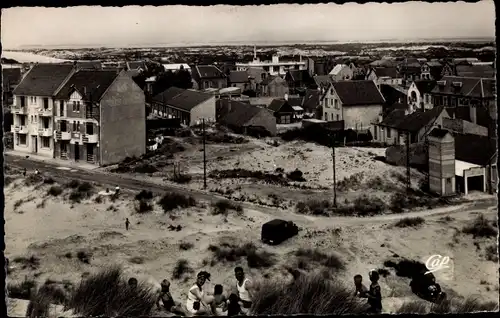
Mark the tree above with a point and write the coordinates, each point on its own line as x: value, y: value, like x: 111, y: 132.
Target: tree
x: 180, y: 79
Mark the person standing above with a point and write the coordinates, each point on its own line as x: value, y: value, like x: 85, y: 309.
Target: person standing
x: 374, y: 294
x: 244, y: 287
x: 24, y: 172
x: 127, y: 224
x: 195, y: 302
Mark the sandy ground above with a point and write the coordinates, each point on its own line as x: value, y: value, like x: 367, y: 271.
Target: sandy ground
x: 149, y: 250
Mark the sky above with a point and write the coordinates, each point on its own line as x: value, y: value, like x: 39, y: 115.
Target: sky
x: 172, y: 25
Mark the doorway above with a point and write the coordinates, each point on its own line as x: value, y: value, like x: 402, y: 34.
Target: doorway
x: 77, y: 151
x: 90, y: 152
x: 34, y: 144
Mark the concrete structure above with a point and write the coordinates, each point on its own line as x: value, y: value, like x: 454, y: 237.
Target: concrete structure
x: 189, y: 106
x: 441, y: 162
x: 465, y: 170
x: 341, y: 72
x: 274, y: 86
x: 176, y: 67
x: 275, y: 67
x: 100, y: 118
x: 384, y: 75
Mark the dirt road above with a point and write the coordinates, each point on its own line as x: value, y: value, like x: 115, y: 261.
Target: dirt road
x: 127, y: 182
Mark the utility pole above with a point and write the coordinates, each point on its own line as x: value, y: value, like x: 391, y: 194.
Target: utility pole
x: 204, y: 156
x: 408, y: 172
x: 334, y: 174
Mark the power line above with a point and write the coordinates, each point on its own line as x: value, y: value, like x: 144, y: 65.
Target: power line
x: 204, y: 157
x: 334, y: 172
x: 408, y: 172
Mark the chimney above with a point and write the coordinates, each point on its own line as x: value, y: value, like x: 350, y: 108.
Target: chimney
x: 85, y: 90
x: 286, y: 97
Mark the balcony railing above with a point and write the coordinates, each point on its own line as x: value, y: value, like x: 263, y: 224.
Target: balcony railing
x: 45, y: 132
x: 91, y: 139
x: 63, y: 135
x: 45, y: 112
x: 19, y: 109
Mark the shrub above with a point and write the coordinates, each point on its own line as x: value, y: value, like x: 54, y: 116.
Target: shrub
x: 172, y: 200
x: 332, y: 261
x: 296, y: 175
x: 365, y: 205
x: 410, y: 222
x: 73, y: 184
x: 46, y: 295
x: 315, y: 207
x: 83, y: 257
x: 136, y: 260
x: 232, y: 253
x: 31, y: 262
x: 448, y: 306
x: 307, y: 294
x: 223, y: 206
x: 181, y: 267
x: 22, y: 290
x: 186, y: 246
x: 491, y: 253
x: 80, y: 192
x: 143, y: 207
x: 181, y: 178
x: 144, y: 195
x: 481, y: 227
x: 48, y: 180
x: 145, y: 168
x: 55, y: 190
x: 413, y: 307
x: 33, y: 179
x: 115, y: 297
x: 353, y: 182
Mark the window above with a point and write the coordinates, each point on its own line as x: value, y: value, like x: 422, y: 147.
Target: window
x: 326, y: 116
x: 90, y: 128
x: 64, y: 147
x: 23, y: 120
x: 31, y: 119
x: 22, y: 101
x: 332, y: 117
x: 45, y: 122
x: 22, y: 139
x: 63, y: 126
x: 45, y: 142
x: 388, y: 132
x: 45, y: 103
x: 453, y: 101
x: 336, y: 104
x: 75, y: 128
x: 338, y: 117
x: 331, y: 91
x: 76, y: 106
x: 448, y: 181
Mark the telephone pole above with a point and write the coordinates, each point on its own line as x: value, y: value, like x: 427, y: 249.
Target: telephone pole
x: 204, y: 156
x: 334, y: 174
x: 408, y: 172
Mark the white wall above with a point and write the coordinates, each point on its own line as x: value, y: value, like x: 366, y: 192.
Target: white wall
x: 330, y: 112
x: 204, y: 110
x: 361, y: 117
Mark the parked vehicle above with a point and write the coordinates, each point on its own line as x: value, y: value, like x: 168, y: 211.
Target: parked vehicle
x: 276, y: 231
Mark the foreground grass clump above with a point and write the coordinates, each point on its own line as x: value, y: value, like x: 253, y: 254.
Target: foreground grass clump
x: 32, y: 262
x: 46, y: 295
x: 308, y: 294
x: 172, y: 200
x: 108, y: 294
x: 231, y: 253
x: 55, y: 190
x: 181, y: 268
x: 362, y: 206
x: 449, y: 306
x: 410, y: 222
x: 308, y: 256
x: 33, y: 179
x: 223, y: 207
x: 480, y: 227
x: 143, y: 206
x: 80, y: 191
x: 21, y: 290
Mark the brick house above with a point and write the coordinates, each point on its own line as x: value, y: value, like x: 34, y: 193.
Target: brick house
x: 188, y: 105
x: 100, y: 118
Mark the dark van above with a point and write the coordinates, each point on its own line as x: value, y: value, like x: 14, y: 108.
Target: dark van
x: 276, y: 231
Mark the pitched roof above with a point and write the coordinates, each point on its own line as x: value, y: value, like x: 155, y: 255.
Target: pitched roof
x: 391, y: 72
x: 240, y: 114
x: 208, y: 71
x: 474, y: 148
x: 134, y: 65
x: 11, y: 76
x: 167, y: 94
x: 323, y: 80
x: 311, y: 100
x: 43, y: 79
x: 295, y: 101
x: 438, y: 133
x: 238, y: 77
x: 484, y: 71
x: 92, y: 65
x: 425, y: 86
x: 270, y: 78
x: 392, y: 94
x: 434, y: 64
x: 419, y: 119
x: 393, y: 118
x: 338, y: 68
x: 89, y: 83
x: 256, y: 73
x: 470, y: 87
x: 358, y: 93
x: 300, y: 75
x: 276, y: 104
x: 184, y: 99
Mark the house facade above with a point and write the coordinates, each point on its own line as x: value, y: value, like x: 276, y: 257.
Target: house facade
x: 100, y: 118
x: 274, y: 86
x: 283, y: 111
x: 247, y: 119
x: 190, y: 106
x: 384, y: 76
x: 275, y: 66
x: 239, y: 79
x: 208, y: 76
x: 341, y: 72
x: 33, y: 117
x: 419, y: 94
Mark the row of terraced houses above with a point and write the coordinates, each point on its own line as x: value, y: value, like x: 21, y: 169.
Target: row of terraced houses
x: 61, y: 111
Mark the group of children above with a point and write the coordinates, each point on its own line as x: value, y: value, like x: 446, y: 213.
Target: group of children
x: 373, y: 295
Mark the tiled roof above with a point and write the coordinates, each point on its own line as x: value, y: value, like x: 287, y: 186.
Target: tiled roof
x: 256, y: 73
x: 167, y: 94
x: 240, y: 114
x: 434, y: 64
x: 383, y: 63
x: 425, y: 86
x: 295, y: 101
x: 311, y: 100
x: 484, y: 71
x: 136, y: 65
x: 300, y: 75
x: 392, y: 95
x: 11, y: 76
x: 322, y: 80
x: 276, y: 104
x: 393, y: 118
x: 94, y: 83
x: 470, y: 87
x: 43, y: 79
x: 391, y: 72
x: 184, y: 99
x: 438, y: 133
x: 358, y: 93
x: 238, y: 77
x: 419, y: 119
x: 474, y: 148
x: 89, y: 65
x: 208, y: 71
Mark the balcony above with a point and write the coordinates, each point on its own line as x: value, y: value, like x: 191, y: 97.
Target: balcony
x: 63, y: 135
x: 44, y: 132
x: 47, y: 112
x: 21, y: 110
x: 76, y: 136
x: 90, y: 139
x: 19, y: 129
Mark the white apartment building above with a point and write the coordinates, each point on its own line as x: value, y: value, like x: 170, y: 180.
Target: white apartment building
x: 275, y: 67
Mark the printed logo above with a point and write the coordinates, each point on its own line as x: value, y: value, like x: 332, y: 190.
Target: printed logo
x: 437, y: 262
